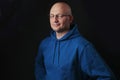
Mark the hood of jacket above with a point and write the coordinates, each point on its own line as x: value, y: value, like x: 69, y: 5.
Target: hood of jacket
x: 69, y: 35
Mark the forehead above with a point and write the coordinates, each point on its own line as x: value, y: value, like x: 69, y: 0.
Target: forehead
x: 60, y: 8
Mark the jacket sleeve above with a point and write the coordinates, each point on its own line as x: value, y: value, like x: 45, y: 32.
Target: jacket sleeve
x: 39, y: 65
x: 93, y: 66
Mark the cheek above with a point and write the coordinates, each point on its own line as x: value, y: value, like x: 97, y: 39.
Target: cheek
x: 50, y: 20
x: 66, y: 22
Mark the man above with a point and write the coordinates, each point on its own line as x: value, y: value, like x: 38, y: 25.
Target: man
x: 65, y: 54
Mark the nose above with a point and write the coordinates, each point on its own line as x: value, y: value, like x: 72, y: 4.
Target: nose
x: 55, y: 19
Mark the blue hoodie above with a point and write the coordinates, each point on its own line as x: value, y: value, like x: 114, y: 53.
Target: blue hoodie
x: 70, y: 58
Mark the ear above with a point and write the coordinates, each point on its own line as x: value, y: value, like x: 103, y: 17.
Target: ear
x: 71, y: 18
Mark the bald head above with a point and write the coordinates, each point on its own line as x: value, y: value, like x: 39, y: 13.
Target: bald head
x: 61, y: 7
x: 60, y: 18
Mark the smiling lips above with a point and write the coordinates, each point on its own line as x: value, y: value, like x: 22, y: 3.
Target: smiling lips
x: 56, y: 24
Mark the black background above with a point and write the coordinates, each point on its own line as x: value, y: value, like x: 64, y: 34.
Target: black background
x: 24, y: 23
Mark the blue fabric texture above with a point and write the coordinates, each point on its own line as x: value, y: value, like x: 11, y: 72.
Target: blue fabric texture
x: 70, y: 58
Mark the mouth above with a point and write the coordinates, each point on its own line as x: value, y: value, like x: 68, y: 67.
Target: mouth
x: 56, y: 24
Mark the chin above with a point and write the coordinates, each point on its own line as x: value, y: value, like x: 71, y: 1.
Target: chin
x: 56, y: 30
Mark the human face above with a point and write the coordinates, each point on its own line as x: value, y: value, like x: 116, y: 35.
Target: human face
x: 60, y: 18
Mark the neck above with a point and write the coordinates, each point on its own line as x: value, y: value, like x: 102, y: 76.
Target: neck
x: 60, y: 34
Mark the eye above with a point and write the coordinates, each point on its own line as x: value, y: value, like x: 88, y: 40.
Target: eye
x: 60, y: 16
x: 51, y: 16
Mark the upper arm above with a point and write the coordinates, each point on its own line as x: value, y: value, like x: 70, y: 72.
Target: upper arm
x: 93, y: 65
